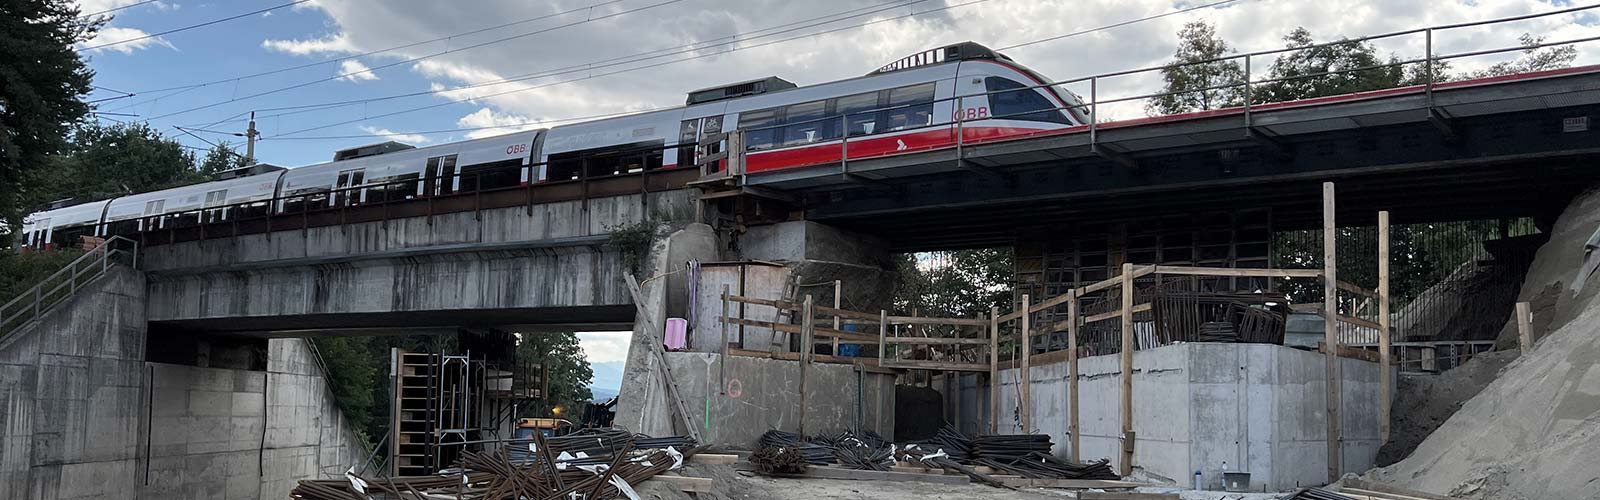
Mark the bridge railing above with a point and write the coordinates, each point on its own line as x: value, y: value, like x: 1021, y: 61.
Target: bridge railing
x: 636, y: 171
x: 950, y: 113
x: 65, y: 283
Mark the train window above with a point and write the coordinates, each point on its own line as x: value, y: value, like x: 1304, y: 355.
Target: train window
x: 441, y: 175
x: 500, y: 174
x: 395, y: 187
x: 806, y: 123
x: 858, y: 107
x: 213, y: 199
x: 912, y: 107
x: 1014, y: 101
x: 763, y: 119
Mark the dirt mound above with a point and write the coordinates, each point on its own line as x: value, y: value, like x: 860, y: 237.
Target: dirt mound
x: 1531, y: 433
x: 1424, y: 402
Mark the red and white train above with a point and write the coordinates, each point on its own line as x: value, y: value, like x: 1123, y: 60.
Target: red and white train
x: 910, y: 105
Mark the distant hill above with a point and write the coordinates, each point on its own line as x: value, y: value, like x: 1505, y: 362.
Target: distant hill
x: 602, y: 394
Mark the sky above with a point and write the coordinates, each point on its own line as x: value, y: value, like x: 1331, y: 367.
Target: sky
x: 606, y: 352
x: 331, y: 60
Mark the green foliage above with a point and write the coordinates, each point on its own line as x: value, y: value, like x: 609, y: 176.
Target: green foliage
x: 1326, y: 70
x: 21, y: 271
x: 960, y: 283
x: 109, y: 161
x: 1534, y: 58
x: 353, y: 372
x: 1198, y: 41
x: 41, y: 81
x: 568, y: 370
x: 633, y: 240
x: 221, y: 157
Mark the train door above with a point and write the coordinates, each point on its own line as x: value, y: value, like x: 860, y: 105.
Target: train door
x: 689, y: 135
x: 347, y: 179
x: 440, y: 176
x: 40, y: 236
x: 215, y: 199
x: 152, y: 215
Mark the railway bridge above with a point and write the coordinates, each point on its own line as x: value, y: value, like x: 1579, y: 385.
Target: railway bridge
x: 1210, y: 188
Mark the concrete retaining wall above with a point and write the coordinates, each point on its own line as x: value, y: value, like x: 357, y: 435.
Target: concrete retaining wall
x: 86, y: 417
x: 764, y: 394
x: 1261, y: 408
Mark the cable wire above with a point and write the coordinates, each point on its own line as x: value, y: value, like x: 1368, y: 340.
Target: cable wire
x: 414, y: 59
x: 193, y: 26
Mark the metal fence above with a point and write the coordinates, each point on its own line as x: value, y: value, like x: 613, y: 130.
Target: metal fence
x: 64, y: 284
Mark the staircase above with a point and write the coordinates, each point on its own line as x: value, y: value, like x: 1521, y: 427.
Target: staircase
x: 64, y: 284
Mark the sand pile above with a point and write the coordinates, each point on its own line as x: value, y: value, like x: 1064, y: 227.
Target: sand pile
x: 1532, y: 433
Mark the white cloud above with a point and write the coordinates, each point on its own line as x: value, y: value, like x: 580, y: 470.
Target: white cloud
x: 355, y: 71
x: 505, y: 123
x: 334, y: 44
x: 395, y: 136
x: 93, y: 6
x: 1248, y: 25
x: 266, y: 14
x: 113, y: 34
x: 605, y: 347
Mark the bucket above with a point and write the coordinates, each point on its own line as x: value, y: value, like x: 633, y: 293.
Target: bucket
x: 677, y: 333
x: 850, y: 350
x: 1236, y: 482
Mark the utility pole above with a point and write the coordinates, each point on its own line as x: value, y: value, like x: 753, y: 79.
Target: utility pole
x: 250, y: 141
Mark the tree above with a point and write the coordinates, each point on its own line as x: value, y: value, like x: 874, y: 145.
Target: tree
x: 565, y: 366
x: 1189, y: 82
x: 960, y: 283
x: 1534, y: 58
x: 109, y: 161
x: 42, y: 79
x: 221, y: 157
x: 1333, y: 69
x: 353, y: 373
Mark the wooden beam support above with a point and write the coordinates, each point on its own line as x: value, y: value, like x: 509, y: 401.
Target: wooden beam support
x: 994, y: 370
x: 935, y: 341
x: 796, y: 329
x: 1026, y: 404
x: 1330, y: 327
x: 1238, y: 272
x: 1525, y: 327
x: 1072, y: 375
x: 807, y: 348
x: 1385, y: 379
x: 1126, y: 362
x: 915, y: 364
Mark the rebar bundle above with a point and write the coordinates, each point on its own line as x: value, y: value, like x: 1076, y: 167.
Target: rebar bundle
x: 1037, y: 465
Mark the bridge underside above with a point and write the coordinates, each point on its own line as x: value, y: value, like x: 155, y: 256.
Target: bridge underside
x: 526, y: 320
x: 1513, y: 149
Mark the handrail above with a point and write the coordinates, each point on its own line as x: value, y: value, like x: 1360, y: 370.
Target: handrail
x: 64, y: 283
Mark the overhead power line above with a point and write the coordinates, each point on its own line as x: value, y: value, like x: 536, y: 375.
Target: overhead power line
x: 372, y: 52
x: 414, y: 59
x: 193, y: 26
x: 616, y: 61
x: 114, y: 9
x: 512, y: 125
x: 636, y: 68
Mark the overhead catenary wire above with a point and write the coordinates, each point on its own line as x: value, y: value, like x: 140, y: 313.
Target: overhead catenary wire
x: 593, y: 76
x: 674, y: 61
x: 194, y: 26
x: 372, y: 52
x: 590, y: 19
x: 615, y: 61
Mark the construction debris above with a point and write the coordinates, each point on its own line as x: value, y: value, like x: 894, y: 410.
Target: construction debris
x: 598, y: 464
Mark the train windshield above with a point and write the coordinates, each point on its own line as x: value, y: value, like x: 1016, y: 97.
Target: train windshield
x: 1010, y: 100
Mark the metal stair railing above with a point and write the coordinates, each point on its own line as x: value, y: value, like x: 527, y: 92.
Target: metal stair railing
x: 64, y: 284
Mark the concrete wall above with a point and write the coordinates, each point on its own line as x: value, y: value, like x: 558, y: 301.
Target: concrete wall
x: 86, y: 417
x: 457, y: 262
x: 754, y: 395
x: 1259, y: 407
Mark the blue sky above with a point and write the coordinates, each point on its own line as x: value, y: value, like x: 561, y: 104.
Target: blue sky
x: 334, y: 32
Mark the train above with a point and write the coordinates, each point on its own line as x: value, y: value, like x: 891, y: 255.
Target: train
x: 912, y: 104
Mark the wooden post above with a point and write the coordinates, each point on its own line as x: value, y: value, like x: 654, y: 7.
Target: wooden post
x: 1025, y: 406
x: 807, y: 321
x: 1127, y: 369
x: 994, y: 370
x: 722, y: 370
x: 883, y: 334
x: 1072, y: 376
x: 1385, y: 364
x: 1330, y: 325
x: 838, y: 288
x: 1525, y: 327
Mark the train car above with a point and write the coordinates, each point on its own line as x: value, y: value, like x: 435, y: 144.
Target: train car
x: 913, y: 104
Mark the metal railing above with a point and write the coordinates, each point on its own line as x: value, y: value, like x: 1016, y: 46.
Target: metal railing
x: 954, y: 107
x: 64, y: 284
